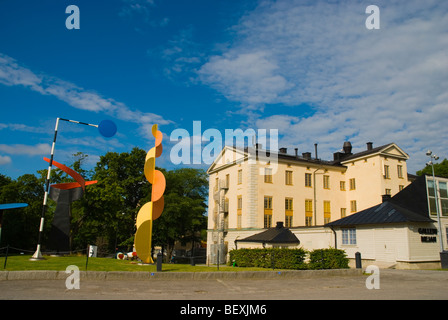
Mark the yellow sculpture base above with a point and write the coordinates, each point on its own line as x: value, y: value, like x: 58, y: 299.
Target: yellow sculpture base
x: 144, y: 263
x: 142, y: 243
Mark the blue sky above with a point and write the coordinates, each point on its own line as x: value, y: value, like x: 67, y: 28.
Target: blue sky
x: 310, y: 69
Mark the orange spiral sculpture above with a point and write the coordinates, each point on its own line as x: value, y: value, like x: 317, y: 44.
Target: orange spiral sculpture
x: 152, y: 210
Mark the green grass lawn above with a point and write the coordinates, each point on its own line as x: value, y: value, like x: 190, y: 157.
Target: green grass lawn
x: 22, y: 262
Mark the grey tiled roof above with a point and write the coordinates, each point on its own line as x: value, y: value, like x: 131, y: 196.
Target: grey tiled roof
x: 409, y: 205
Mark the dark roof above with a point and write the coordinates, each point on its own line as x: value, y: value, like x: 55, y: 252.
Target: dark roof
x: 366, y: 152
x: 409, y: 205
x: 310, y: 159
x: 278, y: 234
x: 335, y: 162
x: 294, y: 158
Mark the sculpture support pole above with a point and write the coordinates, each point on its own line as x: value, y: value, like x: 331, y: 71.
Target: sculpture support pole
x: 150, y: 238
x: 38, y: 255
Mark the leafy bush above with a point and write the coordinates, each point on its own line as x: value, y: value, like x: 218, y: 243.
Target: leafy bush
x: 269, y: 258
x: 284, y: 258
x: 328, y: 259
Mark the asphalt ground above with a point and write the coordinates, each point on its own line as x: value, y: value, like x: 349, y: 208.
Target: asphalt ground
x: 390, y: 285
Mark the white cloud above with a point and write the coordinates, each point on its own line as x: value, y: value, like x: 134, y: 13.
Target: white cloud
x: 181, y: 55
x: 22, y: 127
x: 132, y: 7
x: 246, y: 77
x: 23, y: 149
x: 386, y: 85
x: 97, y: 143
x: 5, y: 160
x: 12, y: 74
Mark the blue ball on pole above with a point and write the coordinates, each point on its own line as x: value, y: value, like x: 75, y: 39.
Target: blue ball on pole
x: 107, y: 128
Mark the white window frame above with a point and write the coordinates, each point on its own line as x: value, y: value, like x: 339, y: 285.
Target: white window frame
x: 349, y: 236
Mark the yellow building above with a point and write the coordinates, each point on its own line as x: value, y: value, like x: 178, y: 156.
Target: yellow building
x: 251, y: 189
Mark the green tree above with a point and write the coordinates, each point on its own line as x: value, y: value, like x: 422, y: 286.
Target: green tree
x: 79, y: 159
x: 111, y: 205
x: 21, y: 226
x: 440, y: 169
x: 4, y: 180
x: 183, y: 217
x: 80, y: 209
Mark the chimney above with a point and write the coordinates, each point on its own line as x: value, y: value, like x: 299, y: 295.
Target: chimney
x: 283, y: 150
x: 315, y: 150
x: 369, y: 145
x: 337, y: 156
x: 296, y: 151
x: 386, y: 197
x: 306, y: 155
x: 347, y: 147
x: 279, y: 225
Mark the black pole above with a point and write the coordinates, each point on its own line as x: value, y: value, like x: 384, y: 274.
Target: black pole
x: 159, y: 262
x: 1, y: 218
x: 37, y: 255
x: 6, y: 256
x: 192, y: 263
x: 358, y: 260
x: 87, y: 258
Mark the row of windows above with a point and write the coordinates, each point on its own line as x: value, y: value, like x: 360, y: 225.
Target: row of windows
x: 308, y: 177
x: 268, y: 205
x: 308, y: 180
x: 289, y: 212
x: 289, y: 204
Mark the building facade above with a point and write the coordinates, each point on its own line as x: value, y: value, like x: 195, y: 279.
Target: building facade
x: 251, y: 190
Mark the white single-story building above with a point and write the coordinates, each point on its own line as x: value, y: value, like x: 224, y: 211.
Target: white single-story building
x: 399, y: 232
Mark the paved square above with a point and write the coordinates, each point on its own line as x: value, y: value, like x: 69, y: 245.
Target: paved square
x: 394, y: 284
